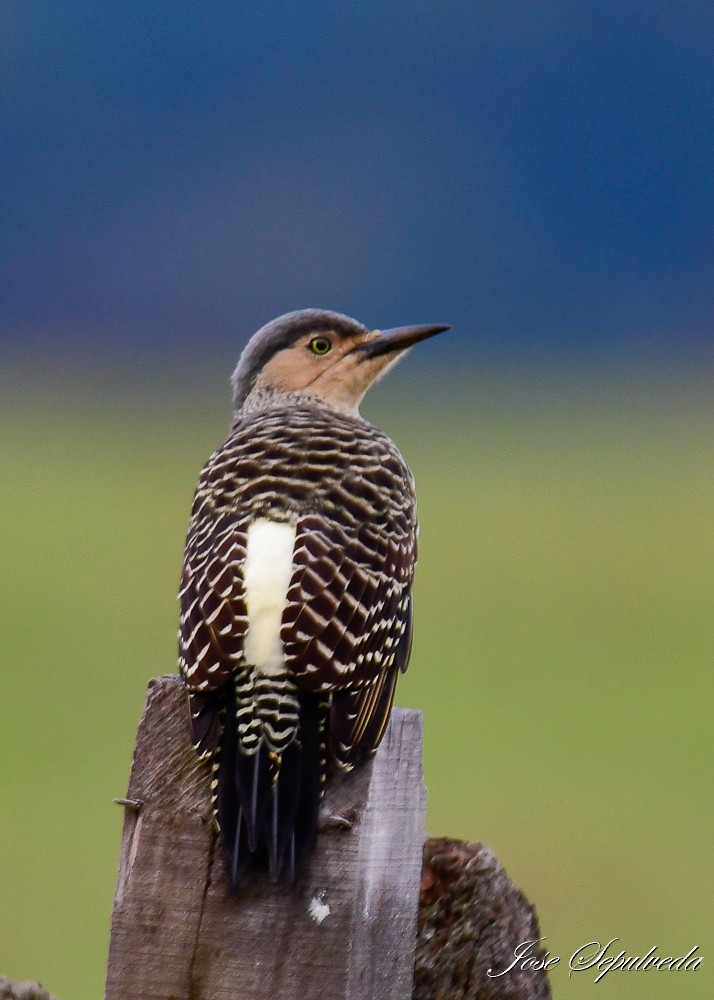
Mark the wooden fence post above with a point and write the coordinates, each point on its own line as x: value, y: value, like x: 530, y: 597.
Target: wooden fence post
x: 347, y: 930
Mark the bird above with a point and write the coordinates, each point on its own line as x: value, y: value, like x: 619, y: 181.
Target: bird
x: 296, y: 590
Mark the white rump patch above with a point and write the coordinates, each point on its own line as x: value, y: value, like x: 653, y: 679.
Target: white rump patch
x: 266, y: 573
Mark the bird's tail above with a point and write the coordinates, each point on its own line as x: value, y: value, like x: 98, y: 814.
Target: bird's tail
x: 270, y: 768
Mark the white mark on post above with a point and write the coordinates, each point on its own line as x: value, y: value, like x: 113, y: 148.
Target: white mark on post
x: 318, y: 909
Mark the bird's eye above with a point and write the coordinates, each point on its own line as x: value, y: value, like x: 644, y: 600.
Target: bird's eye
x: 319, y: 345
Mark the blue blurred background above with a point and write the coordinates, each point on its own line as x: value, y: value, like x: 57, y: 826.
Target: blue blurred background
x: 540, y: 175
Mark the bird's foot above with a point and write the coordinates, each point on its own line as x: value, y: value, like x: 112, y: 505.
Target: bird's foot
x: 344, y: 821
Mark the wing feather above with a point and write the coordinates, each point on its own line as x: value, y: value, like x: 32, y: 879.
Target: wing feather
x: 213, y: 620
x: 346, y: 628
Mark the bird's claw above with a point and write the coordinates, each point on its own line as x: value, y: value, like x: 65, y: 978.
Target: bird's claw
x: 337, y: 821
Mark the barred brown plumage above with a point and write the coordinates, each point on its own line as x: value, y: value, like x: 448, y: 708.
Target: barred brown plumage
x: 300, y: 556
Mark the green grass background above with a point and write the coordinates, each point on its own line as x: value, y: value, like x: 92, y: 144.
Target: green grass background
x: 562, y: 654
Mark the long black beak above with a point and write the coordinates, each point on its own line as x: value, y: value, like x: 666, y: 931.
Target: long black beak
x: 398, y: 339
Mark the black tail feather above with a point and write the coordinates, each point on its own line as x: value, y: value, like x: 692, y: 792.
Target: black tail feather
x: 313, y: 770
x: 252, y: 786
x: 267, y: 806
x: 239, y: 860
x: 290, y: 871
x: 285, y: 805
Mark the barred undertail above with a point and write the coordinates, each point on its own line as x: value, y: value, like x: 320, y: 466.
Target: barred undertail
x: 269, y: 771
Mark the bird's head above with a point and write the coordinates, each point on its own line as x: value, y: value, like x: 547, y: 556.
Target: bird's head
x: 319, y: 355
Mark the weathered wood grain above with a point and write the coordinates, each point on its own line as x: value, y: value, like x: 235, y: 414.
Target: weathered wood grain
x: 347, y: 930
x: 166, y: 851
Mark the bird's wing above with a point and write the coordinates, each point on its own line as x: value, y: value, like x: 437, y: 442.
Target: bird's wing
x: 213, y: 620
x: 346, y: 627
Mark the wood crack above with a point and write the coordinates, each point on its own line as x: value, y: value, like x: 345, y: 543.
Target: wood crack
x: 193, y: 985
